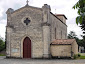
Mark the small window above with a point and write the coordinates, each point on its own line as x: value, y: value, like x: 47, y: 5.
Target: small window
x: 65, y: 35
x: 61, y: 34
x: 55, y: 33
x: 26, y: 21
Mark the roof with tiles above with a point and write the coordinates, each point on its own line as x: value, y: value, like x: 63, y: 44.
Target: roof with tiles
x: 61, y: 15
x: 63, y: 41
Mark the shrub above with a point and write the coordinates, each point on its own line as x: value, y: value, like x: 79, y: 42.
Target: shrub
x: 2, y: 54
x: 2, y: 45
x: 79, y: 55
x: 76, y: 56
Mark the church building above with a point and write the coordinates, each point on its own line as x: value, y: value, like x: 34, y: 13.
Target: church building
x: 30, y: 31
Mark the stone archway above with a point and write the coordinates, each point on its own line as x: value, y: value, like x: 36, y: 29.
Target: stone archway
x: 27, y: 48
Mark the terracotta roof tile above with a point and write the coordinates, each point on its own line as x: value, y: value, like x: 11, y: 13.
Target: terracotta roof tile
x: 60, y: 15
x: 63, y: 41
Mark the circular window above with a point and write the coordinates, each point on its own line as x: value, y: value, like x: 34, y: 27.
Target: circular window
x: 26, y: 21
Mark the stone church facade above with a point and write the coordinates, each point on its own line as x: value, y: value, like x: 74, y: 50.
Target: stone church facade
x: 30, y: 31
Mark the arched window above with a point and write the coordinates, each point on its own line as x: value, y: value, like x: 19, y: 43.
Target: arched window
x: 61, y: 34
x: 55, y: 33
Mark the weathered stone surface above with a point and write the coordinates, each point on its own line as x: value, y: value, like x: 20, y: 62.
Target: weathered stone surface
x: 40, y: 30
x: 61, y: 50
x: 61, y: 28
x: 75, y: 48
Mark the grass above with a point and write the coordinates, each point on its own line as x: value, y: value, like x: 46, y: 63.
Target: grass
x: 79, y: 56
x: 2, y: 55
x: 82, y: 57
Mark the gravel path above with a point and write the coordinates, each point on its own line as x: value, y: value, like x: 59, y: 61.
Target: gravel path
x: 40, y: 61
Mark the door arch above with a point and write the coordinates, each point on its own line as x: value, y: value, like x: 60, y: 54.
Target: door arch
x: 27, y: 48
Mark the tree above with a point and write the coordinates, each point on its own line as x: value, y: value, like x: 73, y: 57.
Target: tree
x: 80, y: 5
x: 2, y: 44
x: 83, y: 40
x: 72, y: 35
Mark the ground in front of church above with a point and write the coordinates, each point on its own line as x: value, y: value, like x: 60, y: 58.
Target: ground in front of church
x: 3, y: 60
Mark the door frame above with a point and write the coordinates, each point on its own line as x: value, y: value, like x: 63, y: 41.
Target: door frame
x: 28, y: 48
x: 21, y: 46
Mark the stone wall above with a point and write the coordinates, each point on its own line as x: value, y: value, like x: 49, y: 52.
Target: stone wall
x: 17, y: 30
x: 61, y: 50
x: 62, y: 18
x: 75, y: 47
x: 61, y: 28
x: 66, y: 50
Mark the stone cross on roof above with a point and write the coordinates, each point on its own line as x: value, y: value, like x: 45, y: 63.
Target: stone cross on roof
x: 27, y: 2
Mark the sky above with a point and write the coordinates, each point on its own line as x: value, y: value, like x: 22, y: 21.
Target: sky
x: 57, y: 6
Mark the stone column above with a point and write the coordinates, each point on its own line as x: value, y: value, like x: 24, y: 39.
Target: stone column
x: 8, y: 32
x: 8, y: 47
x: 46, y: 41
x: 46, y: 31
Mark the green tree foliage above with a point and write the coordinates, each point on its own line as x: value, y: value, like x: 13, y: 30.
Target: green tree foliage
x: 2, y: 44
x: 80, y: 5
x: 72, y: 35
x: 83, y: 41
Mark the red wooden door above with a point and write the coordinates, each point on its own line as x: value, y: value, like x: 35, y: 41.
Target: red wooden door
x: 27, y: 48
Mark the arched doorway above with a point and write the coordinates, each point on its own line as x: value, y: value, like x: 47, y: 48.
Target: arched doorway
x: 27, y: 48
